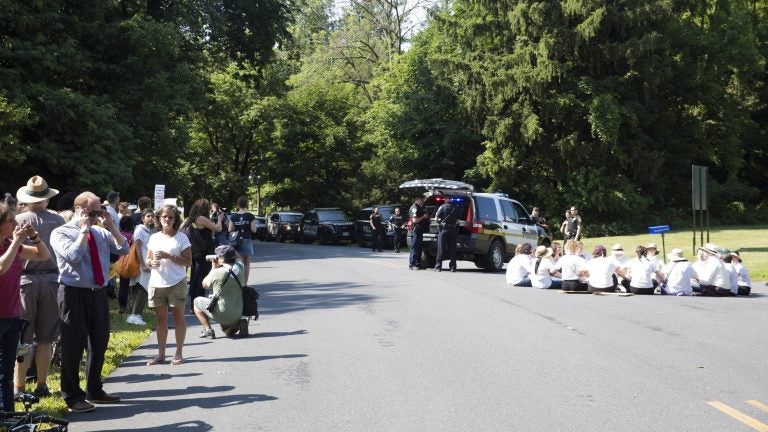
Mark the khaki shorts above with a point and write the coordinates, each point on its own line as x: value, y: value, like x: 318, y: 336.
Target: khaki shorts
x: 173, y: 296
x: 40, y: 306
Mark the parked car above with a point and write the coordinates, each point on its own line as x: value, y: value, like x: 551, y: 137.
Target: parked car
x: 490, y: 224
x: 284, y: 226
x: 363, y: 225
x: 261, y: 228
x: 326, y: 225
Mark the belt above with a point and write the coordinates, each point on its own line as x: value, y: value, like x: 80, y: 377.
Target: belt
x: 39, y: 272
x: 91, y: 289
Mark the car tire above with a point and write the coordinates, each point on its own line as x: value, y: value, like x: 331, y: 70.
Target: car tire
x: 427, y: 260
x: 280, y: 237
x: 494, y: 260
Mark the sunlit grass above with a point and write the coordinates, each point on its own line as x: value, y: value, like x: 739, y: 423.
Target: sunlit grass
x: 750, y: 241
x: 124, y: 338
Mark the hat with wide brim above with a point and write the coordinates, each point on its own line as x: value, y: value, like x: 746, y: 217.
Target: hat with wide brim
x: 676, y: 255
x: 710, y: 248
x: 543, y: 252
x: 35, y: 191
x: 651, y: 246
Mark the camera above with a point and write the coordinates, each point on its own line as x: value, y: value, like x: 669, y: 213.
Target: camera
x: 210, y: 258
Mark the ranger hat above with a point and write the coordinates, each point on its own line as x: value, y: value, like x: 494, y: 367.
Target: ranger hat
x: 35, y: 191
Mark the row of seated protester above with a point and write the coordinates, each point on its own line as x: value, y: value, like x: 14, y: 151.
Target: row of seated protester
x: 716, y: 271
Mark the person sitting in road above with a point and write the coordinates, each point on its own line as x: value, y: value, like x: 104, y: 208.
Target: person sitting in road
x: 733, y: 275
x: 640, y: 271
x: 517, y: 268
x: 542, y: 268
x: 713, y: 278
x: 677, y: 275
x: 600, y: 271
x: 226, y: 304
x: 569, y: 266
x: 744, y: 283
x: 617, y: 254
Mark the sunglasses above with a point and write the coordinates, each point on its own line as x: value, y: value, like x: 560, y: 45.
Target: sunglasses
x: 94, y: 213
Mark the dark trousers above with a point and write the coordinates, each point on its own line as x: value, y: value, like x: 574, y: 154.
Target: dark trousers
x: 200, y: 269
x: 417, y: 239
x: 84, y: 315
x: 574, y: 285
x: 9, y: 340
x: 397, y: 238
x: 122, y: 293
x: 137, y: 299
x: 377, y: 238
x: 446, y: 245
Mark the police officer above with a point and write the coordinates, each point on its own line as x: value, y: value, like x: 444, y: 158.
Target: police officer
x: 420, y: 225
x: 377, y: 230
x: 397, y: 222
x: 446, y: 218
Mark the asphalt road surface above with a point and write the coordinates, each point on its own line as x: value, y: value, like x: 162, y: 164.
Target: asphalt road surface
x: 351, y: 340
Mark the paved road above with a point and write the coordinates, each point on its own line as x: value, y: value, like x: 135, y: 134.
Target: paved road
x: 351, y: 340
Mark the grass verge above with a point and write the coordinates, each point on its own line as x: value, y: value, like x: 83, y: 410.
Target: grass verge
x: 124, y: 338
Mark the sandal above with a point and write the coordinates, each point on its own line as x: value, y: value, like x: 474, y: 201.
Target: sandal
x: 156, y: 360
x: 177, y: 361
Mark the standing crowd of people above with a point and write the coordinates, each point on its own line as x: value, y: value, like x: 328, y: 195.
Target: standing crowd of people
x: 56, y: 283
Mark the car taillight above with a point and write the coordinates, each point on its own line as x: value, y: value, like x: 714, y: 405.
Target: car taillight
x: 477, y: 227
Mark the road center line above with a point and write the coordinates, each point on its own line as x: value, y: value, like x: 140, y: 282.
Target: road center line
x: 740, y: 416
x: 758, y: 405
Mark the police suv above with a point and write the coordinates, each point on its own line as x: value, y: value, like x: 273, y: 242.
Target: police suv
x: 326, y: 225
x: 490, y: 225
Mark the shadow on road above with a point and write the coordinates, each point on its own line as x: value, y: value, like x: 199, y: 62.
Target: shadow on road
x: 291, y: 296
x: 190, y: 426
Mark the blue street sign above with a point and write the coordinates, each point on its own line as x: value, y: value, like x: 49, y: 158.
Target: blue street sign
x: 660, y: 229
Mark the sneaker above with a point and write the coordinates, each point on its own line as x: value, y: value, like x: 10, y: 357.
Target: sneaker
x: 135, y: 320
x: 42, y: 391
x: 105, y: 398
x: 209, y: 333
x: 82, y: 407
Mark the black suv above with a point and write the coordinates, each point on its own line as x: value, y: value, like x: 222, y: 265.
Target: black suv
x: 283, y: 226
x: 363, y: 223
x: 489, y: 226
x: 326, y: 225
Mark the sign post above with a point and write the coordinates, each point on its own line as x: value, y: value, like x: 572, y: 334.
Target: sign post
x: 699, y: 198
x: 660, y: 229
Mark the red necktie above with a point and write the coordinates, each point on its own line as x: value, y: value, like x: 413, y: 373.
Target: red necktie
x: 98, y: 272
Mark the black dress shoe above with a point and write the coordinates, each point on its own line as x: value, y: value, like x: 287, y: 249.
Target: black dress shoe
x: 438, y: 269
x: 453, y: 270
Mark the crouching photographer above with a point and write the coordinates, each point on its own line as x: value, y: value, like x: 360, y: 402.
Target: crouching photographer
x: 226, y: 303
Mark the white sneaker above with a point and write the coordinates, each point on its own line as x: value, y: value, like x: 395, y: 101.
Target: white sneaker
x: 135, y: 320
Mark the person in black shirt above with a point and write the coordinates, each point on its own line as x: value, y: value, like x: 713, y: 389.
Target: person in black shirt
x: 377, y: 230
x: 420, y: 225
x: 447, y: 216
x: 244, y: 223
x: 398, y: 227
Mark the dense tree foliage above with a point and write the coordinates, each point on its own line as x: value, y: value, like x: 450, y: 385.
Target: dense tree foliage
x: 603, y: 105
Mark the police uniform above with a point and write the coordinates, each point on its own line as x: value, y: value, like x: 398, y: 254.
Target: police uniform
x: 398, y: 223
x: 377, y: 232
x: 417, y: 236
x: 446, y: 216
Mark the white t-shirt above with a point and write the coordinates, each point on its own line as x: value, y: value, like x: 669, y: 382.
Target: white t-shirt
x: 743, y: 275
x: 142, y: 233
x: 712, y: 272
x: 657, y: 262
x: 541, y: 278
x: 734, y: 277
x: 569, y: 266
x: 679, y: 275
x: 601, y: 271
x: 169, y: 273
x: 517, y: 268
x: 640, y: 271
